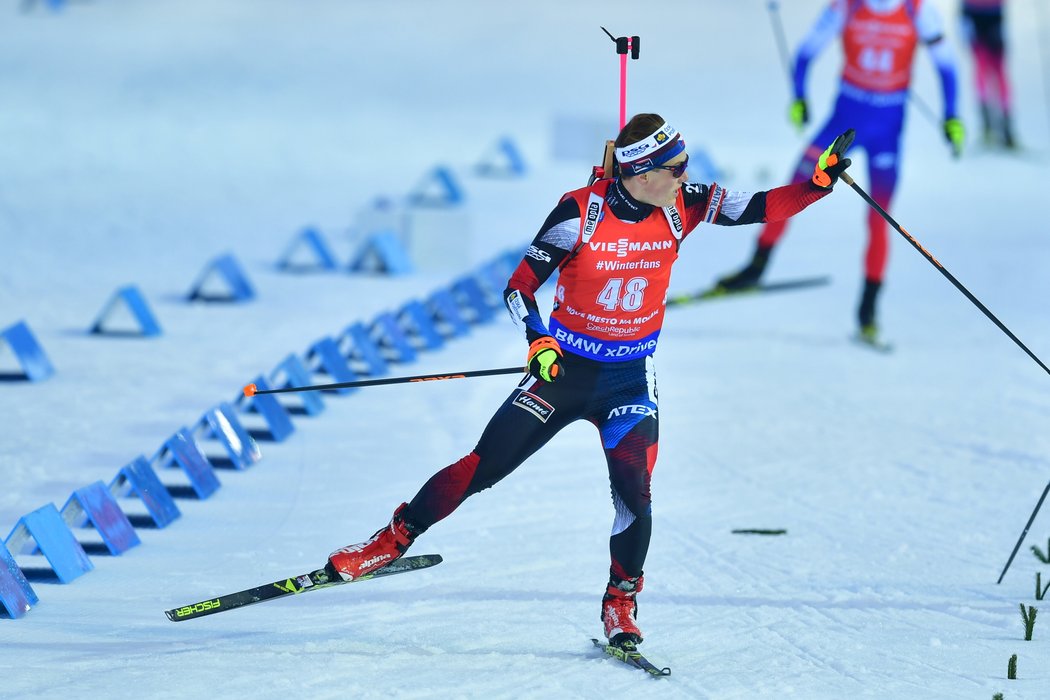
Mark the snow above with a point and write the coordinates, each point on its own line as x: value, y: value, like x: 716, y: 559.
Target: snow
x: 142, y: 139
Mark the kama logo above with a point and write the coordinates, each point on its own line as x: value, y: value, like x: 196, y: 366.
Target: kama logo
x: 534, y: 405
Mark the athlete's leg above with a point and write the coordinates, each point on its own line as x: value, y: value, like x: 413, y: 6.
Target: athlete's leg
x: 526, y: 421
x: 882, y: 144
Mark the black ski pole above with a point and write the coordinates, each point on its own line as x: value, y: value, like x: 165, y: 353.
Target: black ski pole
x: 778, y: 30
x: 933, y: 261
x: 1023, y: 533
x: 252, y: 390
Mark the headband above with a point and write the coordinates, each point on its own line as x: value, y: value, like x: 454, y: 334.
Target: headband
x: 658, y: 148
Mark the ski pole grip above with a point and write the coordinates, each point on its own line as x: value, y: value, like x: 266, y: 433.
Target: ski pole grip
x: 636, y: 47
x: 622, y: 45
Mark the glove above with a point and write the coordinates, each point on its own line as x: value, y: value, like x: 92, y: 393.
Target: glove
x: 955, y: 133
x: 545, y: 359
x: 798, y: 113
x: 832, y: 162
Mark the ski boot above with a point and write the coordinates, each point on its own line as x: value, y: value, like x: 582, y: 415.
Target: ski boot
x: 619, y: 609
x: 386, y: 545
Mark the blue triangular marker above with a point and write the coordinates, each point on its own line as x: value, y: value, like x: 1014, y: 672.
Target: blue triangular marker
x: 231, y: 278
x: 27, y: 350
x: 311, y: 240
x: 131, y: 298
x: 438, y: 188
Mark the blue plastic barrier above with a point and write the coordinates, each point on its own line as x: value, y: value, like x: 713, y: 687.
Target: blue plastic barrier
x: 478, y: 305
x: 438, y: 188
x: 181, y: 450
x: 502, y: 160
x: 362, y: 351
x: 222, y: 424
x: 389, y: 335
x: 325, y: 357
x: 448, y: 317
x: 140, y: 312
x: 277, y: 419
x: 312, y: 241
x: 30, y: 355
x: 16, y: 595
x: 225, y: 272
x: 138, y: 478
x: 291, y: 372
x: 418, y: 325
x: 53, y: 539
x: 381, y: 252
x: 95, y: 504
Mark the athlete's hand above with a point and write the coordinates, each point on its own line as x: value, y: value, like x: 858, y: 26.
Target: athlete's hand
x: 833, y: 162
x: 955, y: 134
x: 545, y: 359
x: 798, y: 113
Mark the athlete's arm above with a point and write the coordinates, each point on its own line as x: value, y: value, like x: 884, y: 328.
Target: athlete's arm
x: 715, y: 205
x: 931, y: 31
x: 549, y: 248
x: 828, y: 26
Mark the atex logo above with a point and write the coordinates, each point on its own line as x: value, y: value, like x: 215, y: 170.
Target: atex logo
x: 634, y: 408
x: 534, y: 405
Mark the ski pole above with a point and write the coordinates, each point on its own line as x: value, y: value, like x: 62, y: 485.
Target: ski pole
x: 1023, y: 533
x: 778, y: 30
x: 252, y: 390
x: 950, y: 277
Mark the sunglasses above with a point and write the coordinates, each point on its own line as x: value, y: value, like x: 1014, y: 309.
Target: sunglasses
x: 676, y: 170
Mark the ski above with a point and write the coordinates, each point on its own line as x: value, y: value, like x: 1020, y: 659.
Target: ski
x: 304, y: 583
x: 717, y: 292
x: 629, y: 654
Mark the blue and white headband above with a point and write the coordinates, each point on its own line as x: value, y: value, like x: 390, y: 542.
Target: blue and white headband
x: 656, y: 149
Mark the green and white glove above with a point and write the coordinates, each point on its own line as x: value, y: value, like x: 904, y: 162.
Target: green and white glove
x: 955, y: 134
x: 798, y: 113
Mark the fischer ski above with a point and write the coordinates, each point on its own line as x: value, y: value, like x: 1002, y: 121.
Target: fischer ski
x: 629, y: 654
x: 717, y: 292
x: 304, y: 583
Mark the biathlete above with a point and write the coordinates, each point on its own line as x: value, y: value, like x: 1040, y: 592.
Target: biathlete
x: 614, y: 244
x: 879, y: 38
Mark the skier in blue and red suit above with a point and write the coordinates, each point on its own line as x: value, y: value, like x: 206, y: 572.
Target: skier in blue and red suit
x: 613, y: 244
x: 879, y: 38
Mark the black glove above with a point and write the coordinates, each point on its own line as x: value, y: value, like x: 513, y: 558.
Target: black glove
x: 833, y: 162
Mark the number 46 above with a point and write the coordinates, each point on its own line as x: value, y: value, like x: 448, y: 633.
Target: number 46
x: 633, y: 293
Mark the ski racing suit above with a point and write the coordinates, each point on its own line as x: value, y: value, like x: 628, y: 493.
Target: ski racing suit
x: 878, y: 48
x: 614, y: 255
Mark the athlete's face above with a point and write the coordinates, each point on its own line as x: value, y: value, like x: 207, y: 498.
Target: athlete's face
x: 659, y: 187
